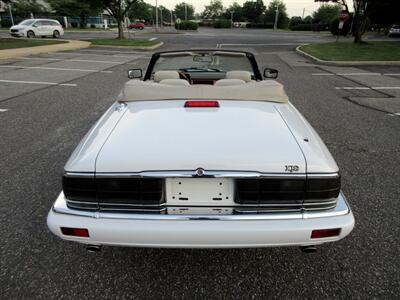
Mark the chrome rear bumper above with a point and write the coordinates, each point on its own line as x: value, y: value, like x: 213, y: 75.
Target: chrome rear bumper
x: 201, y: 231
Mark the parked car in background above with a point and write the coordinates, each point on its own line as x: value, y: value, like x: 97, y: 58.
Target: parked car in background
x: 139, y: 26
x: 31, y: 28
x: 394, y: 31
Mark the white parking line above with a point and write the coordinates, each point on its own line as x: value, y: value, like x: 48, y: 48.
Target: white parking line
x: 3, y: 110
x: 58, y: 69
x: 270, y: 44
x: 391, y: 74
x: 346, y: 74
x: 106, y: 50
x: 386, y: 88
x: 77, y: 54
x: 78, y: 60
x: 368, y: 88
x: 152, y: 39
x: 353, y: 88
x: 39, y: 82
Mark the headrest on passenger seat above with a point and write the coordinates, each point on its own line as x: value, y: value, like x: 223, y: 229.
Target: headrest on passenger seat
x: 229, y: 82
x: 243, y: 75
x: 161, y: 75
x: 180, y: 82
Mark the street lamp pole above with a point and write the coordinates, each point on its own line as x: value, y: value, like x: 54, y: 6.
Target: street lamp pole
x: 11, y: 16
x: 232, y: 18
x: 161, y: 25
x: 172, y: 18
x: 186, y: 13
x: 156, y: 15
x: 276, y: 19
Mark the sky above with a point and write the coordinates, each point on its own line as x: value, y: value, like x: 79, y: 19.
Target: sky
x: 294, y: 7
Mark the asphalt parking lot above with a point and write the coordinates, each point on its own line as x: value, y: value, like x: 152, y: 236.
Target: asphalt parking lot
x: 48, y: 102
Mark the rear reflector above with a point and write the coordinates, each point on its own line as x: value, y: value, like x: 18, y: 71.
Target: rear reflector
x: 192, y: 104
x: 81, y: 232
x: 324, y: 233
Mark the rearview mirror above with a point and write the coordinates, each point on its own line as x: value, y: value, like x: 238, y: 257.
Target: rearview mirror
x: 203, y: 58
x: 271, y: 73
x: 135, y: 73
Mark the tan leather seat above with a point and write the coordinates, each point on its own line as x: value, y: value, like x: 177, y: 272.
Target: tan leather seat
x: 178, y: 82
x: 242, y: 75
x: 229, y: 82
x: 161, y: 75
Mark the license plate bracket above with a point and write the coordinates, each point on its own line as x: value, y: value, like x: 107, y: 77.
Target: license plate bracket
x: 200, y: 191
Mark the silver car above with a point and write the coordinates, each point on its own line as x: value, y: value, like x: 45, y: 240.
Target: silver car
x: 394, y: 31
x: 31, y: 28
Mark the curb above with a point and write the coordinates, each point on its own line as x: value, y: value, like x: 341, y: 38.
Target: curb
x: 346, y: 63
x: 17, y: 52
x: 132, y: 47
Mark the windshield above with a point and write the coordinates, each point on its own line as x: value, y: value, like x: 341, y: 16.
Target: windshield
x: 205, y: 62
x: 27, y: 22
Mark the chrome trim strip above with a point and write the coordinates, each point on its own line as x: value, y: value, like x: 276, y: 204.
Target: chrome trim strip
x: 323, y: 175
x: 193, y: 174
x: 341, y: 208
x: 300, y: 205
x: 78, y: 175
x: 214, y: 174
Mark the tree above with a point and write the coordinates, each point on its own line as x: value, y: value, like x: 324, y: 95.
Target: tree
x: 83, y: 9
x: 362, y: 8
x: 237, y: 11
x: 180, y: 11
x: 283, y: 19
x: 117, y: 9
x: 214, y: 10
x: 253, y: 10
x: 294, y: 21
x: 26, y: 7
x: 384, y: 13
x: 141, y: 11
x: 341, y: 2
x: 326, y: 13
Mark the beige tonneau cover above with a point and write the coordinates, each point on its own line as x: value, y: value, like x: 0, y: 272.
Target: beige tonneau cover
x: 270, y: 91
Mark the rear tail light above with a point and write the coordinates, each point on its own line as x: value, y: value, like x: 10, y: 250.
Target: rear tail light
x: 79, y: 188
x: 79, y: 232
x: 325, y: 233
x: 310, y: 190
x: 193, y: 104
x: 130, y: 190
x: 323, y: 188
x: 91, y: 191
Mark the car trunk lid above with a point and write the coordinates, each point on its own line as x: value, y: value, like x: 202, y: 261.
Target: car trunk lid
x: 166, y: 136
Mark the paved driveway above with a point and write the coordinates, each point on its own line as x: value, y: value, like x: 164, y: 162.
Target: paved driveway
x: 47, y: 104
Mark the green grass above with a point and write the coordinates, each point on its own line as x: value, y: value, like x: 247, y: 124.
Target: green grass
x: 12, y: 43
x: 85, y: 29
x: 347, y: 51
x: 126, y: 42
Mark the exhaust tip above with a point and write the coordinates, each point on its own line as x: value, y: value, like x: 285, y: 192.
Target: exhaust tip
x: 308, y: 249
x: 93, y: 248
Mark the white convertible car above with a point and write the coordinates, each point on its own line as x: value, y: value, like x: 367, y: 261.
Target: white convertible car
x: 201, y: 153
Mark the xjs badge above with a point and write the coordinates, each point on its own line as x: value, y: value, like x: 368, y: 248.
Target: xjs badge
x: 292, y: 168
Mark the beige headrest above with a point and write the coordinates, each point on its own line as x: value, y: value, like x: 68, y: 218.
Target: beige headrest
x: 179, y: 82
x: 243, y: 75
x: 229, y: 82
x: 161, y: 75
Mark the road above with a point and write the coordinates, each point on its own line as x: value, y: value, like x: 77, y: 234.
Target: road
x: 47, y: 104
